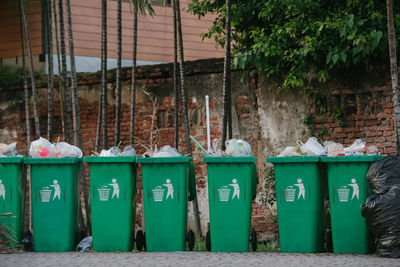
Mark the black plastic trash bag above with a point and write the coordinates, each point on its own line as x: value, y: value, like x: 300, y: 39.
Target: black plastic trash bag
x: 382, y: 213
x: 85, y: 244
x: 383, y: 173
x: 27, y: 241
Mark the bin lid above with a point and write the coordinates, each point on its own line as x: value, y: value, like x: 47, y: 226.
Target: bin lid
x: 369, y: 158
x: 305, y: 159
x: 11, y: 159
x: 109, y: 159
x: 229, y: 159
x: 163, y: 160
x: 33, y: 161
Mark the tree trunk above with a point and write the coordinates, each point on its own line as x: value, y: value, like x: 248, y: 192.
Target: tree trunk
x: 60, y: 80
x: 35, y: 111
x: 185, y: 106
x: 74, y: 83
x: 176, y: 82
x: 26, y: 92
x: 226, y: 88
x: 50, y: 108
x: 118, y: 81
x: 104, y: 71
x: 133, y: 85
x: 67, y: 105
x: 77, y: 117
x: 97, y: 144
x: 393, y: 71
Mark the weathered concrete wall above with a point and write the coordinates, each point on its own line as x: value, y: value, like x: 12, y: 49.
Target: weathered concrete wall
x: 267, y: 118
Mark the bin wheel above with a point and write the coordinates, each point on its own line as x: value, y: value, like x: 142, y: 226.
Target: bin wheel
x: 254, y: 240
x: 140, y: 240
x: 190, y: 240
x: 208, y: 241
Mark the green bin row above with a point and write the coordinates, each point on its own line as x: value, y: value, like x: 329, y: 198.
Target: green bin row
x: 303, y: 184
x: 168, y: 184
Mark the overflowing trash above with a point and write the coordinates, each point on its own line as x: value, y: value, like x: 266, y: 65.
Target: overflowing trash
x: 85, y: 244
x: 382, y: 213
x: 234, y: 148
x: 42, y: 148
x: 8, y: 150
x: 166, y: 151
x: 237, y: 148
x: 115, y: 151
x: 383, y: 173
x: 382, y: 209
x: 329, y: 148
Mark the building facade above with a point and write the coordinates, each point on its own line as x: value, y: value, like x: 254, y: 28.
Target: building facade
x: 155, y: 34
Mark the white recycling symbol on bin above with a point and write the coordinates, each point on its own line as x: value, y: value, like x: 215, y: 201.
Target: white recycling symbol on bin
x: 344, y: 191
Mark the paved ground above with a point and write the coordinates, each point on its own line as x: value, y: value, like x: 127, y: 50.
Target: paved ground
x: 192, y: 259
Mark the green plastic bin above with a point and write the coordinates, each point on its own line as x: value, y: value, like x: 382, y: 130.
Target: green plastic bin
x: 113, y: 202
x: 300, y: 189
x: 347, y: 192
x: 232, y: 185
x: 12, y: 196
x: 168, y: 184
x: 55, y: 197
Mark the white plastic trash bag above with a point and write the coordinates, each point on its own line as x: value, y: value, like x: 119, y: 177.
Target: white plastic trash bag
x: 112, y: 152
x: 291, y: 151
x: 333, y: 149
x: 312, y: 147
x: 65, y: 150
x: 166, y: 151
x: 129, y: 151
x: 8, y: 150
x: 237, y: 148
x: 356, y: 148
x: 41, y: 148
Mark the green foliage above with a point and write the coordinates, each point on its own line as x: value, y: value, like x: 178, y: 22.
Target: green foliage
x: 308, y: 121
x: 10, y: 76
x: 338, y: 116
x: 302, y: 41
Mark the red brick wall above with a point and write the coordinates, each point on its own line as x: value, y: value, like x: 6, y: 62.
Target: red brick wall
x: 367, y: 114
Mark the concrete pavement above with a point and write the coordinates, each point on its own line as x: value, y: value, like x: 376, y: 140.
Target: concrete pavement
x: 192, y: 259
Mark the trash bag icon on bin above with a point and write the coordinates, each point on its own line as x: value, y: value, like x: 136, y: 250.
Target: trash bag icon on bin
x: 289, y: 193
x: 158, y: 194
x: 45, y: 194
x: 104, y: 193
x: 224, y: 193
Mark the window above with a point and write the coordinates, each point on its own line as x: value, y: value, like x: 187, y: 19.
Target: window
x: 156, y: 2
x: 161, y: 2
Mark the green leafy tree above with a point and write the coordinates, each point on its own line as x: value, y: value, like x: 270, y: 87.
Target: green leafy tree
x: 302, y: 40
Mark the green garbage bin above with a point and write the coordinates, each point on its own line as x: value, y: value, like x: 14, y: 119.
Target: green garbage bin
x: 55, y: 197
x: 165, y: 196
x: 232, y: 185
x: 12, y: 196
x: 113, y: 202
x: 347, y: 192
x: 300, y: 190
